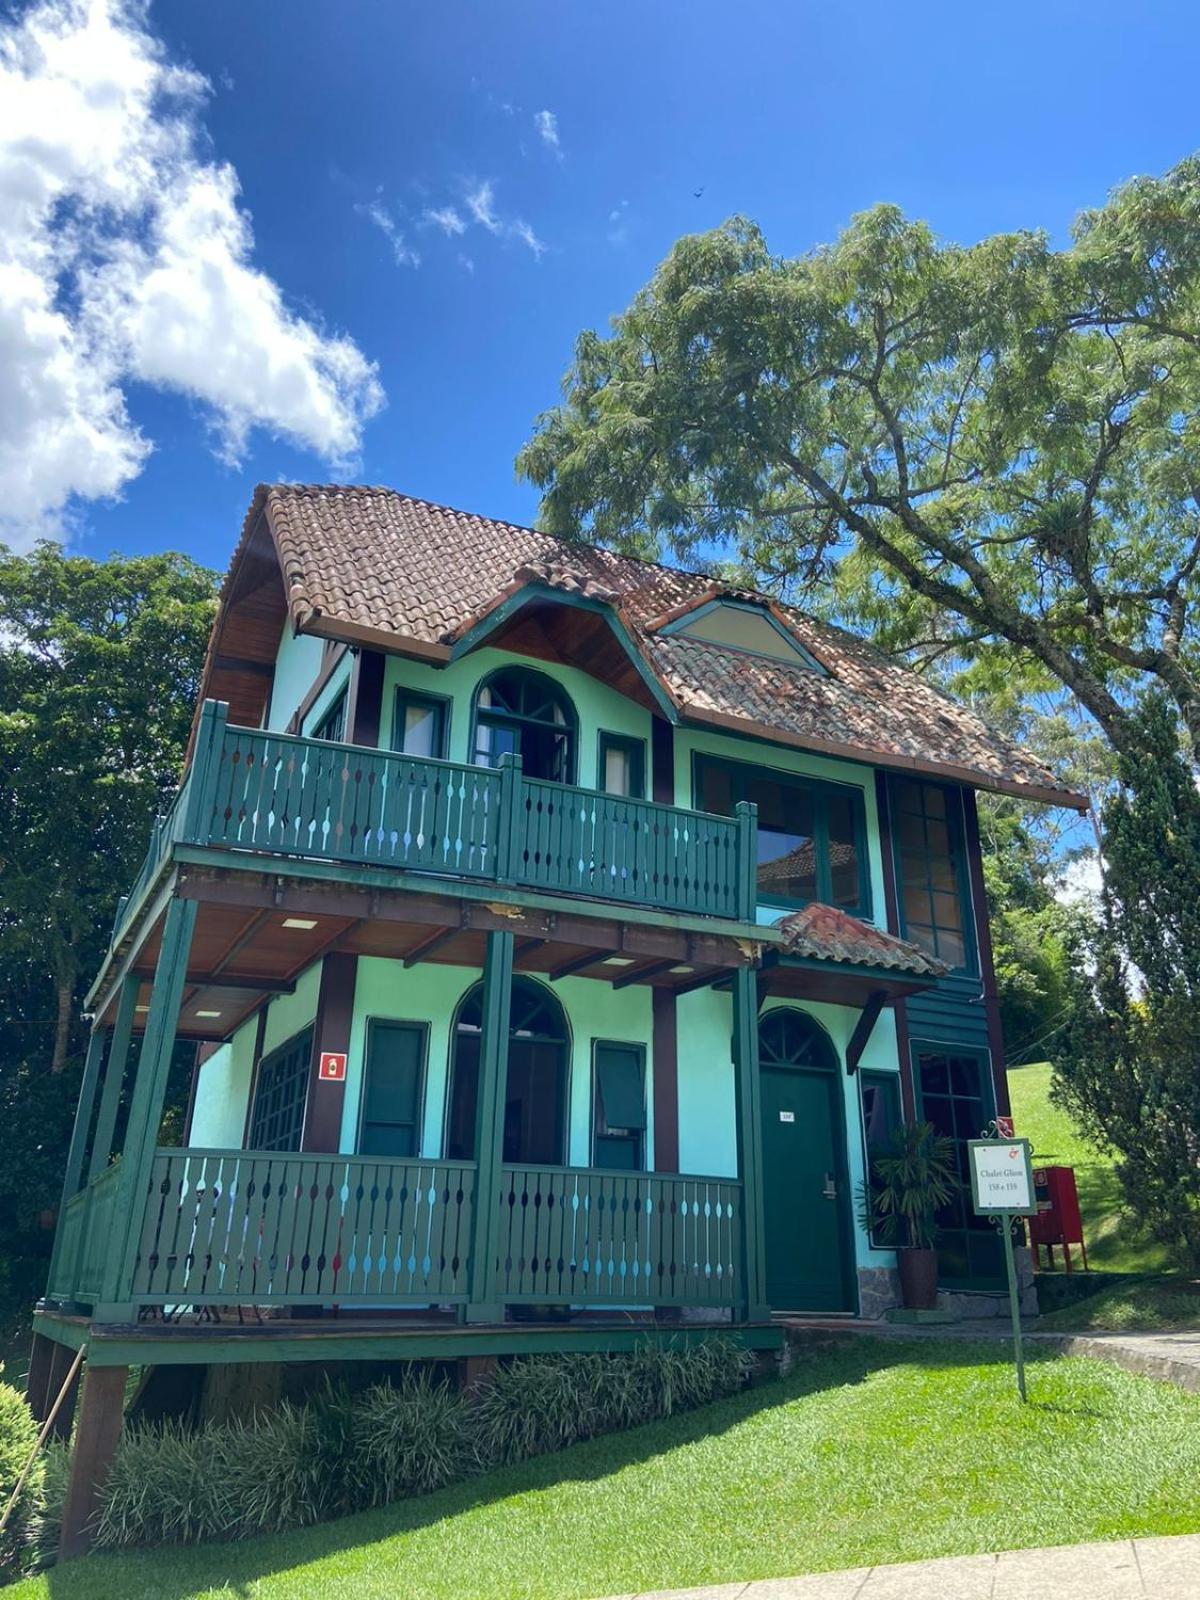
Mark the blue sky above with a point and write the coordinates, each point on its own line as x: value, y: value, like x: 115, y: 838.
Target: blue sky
x: 561, y: 147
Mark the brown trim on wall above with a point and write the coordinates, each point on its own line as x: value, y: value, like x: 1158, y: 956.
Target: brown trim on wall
x: 883, y: 802
x: 365, y: 703
x: 662, y: 761
x: 983, y: 941
x: 665, y: 1046
x: 331, y: 1031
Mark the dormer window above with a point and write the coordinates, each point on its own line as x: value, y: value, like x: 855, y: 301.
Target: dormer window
x: 527, y: 713
x: 745, y: 626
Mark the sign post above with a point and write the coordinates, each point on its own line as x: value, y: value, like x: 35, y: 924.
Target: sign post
x: 1002, y: 1188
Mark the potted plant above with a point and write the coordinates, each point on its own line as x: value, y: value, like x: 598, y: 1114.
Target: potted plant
x: 905, y: 1189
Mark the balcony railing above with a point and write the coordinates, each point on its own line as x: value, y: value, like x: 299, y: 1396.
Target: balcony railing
x: 260, y: 1228
x: 277, y: 794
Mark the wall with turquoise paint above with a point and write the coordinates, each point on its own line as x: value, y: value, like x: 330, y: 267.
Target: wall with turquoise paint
x: 707, y: 1132
x: 297, y: 663
x: 596, y: 704
x: 222, y: 1093
x: 431, y: 993
x: 759, y: 753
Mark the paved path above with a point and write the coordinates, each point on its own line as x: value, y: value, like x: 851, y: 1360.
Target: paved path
x: 1127, y: 1569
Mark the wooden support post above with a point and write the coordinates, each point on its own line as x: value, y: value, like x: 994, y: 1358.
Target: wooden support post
x: 100, y: 1415
x: 489, y: 1127
x: 145, y: 1111
x: 511, y: 821
x: 37, y: 1380
x: 475, y: 1373
x: 747, y: 859
x: 863, y: 1028
x: 754, y: 1305
x: 331, y: 1032
x: 62, y: 1359
x: 114, y: 1076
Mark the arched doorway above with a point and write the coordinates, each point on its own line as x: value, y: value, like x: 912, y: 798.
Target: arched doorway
x: 808, y: 1244
x: 535, y: 1100
x: 525, y: 712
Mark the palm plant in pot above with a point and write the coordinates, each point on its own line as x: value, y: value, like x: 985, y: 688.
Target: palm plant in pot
x: 906, y: 1188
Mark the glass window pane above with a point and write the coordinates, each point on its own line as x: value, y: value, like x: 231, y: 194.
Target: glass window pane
x: 617, y: 773
x: 787, y: 865
x: 716, y: 789
x: 947, y: 910
x: 619, y: 1085
x: 421, y: 727
x: 951, y: 948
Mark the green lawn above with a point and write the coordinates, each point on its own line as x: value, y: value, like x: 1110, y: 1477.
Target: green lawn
x: 1137, y: 1304
x: 877, y: 1451
x: 1111, y: 1242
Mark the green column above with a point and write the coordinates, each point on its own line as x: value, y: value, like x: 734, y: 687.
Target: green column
x: 489, y: 1127
x: 114, y: 1077
x: 145, y: 1111
x: 79, y: 1133
x: 753, y: 1298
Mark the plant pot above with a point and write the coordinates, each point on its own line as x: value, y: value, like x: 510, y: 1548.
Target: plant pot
x: 918, y: 1277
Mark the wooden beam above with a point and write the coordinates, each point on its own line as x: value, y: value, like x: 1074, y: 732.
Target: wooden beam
x: 101, y: 1411
x: 566, y: 968
x: 867, y: 1018
x: 222, y: 980
x: 525, y: 947
x: 641, y: 974
x: 249, y: 928
x: 262, y: 669
x: 432, y: 941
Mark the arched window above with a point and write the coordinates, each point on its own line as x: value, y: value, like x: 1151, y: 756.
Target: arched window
x: 791, y: 1038
x: 519, y: 710
x: 535, y: 1099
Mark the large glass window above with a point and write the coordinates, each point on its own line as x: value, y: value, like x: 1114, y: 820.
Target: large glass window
x: 927, y: 822
x: 521, y: 711
x: 881, y: 1115
x: 280, y: 1094
x: 535, y: 1103
x: 811, y: 835
x: 419, y: 725
x: 619, y: 1106
x: 956, y: 1098
x: 391, y: 1099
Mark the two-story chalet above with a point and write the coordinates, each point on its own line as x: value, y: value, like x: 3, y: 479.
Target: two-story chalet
x: 560, y: 932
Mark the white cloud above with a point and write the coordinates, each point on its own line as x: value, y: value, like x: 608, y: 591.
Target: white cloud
x: 1081, y: 881
x: 402, y: 252
x: 481, y: 203
x: 446, y: 218
x: 125, y: 255
x: 546, y: 124
x: 466, y: 262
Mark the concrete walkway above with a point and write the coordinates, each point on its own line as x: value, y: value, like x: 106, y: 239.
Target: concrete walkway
x: 1127, y: 1569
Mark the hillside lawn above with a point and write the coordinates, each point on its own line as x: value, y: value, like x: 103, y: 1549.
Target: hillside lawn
x: 870, y: 1451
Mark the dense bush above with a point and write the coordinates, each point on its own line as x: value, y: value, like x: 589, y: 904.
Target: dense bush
x: 340, y: 1453
x: 18, y: 1435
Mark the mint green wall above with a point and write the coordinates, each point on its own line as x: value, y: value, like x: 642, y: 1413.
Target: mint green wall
x: 706, y: 1092
x: 596, y: 705
x: 297, y: 663
x: 288, y: 1013
x: 431, y: 993
x: 222, y: 1093
x: 759, y: 753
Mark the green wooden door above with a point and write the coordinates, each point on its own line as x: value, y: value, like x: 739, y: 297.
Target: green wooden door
x: 805, y: 1199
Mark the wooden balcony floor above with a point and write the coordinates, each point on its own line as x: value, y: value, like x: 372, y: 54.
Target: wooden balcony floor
x: 374, y: 1336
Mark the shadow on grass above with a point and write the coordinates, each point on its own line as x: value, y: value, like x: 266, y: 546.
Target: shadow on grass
x: 178, y: 1572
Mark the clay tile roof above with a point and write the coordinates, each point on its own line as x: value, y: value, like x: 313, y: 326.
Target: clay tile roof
x: 374, y: 565
x: 828, y: 934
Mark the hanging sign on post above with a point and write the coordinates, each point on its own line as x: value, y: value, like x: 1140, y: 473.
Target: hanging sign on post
x: 1002, y: 1188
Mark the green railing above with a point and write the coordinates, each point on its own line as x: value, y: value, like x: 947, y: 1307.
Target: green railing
x: 284, y: 795
x: 240, y: 1227
x: 86, y: 1239
x: 262, y: 1228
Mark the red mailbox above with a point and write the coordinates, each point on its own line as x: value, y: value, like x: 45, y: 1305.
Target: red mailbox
x: 1057, y: 1220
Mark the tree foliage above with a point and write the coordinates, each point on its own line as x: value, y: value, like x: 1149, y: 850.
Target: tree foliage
x: 99, y: 670
x: 995, y: 448
x: 1128, y: 1067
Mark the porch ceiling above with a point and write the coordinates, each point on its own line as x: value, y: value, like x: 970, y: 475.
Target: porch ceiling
x: 256, y: 934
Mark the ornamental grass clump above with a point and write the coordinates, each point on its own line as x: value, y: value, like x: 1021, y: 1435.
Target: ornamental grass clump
x: 338, y: 1453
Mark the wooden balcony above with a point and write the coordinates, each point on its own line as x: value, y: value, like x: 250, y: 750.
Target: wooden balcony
x: 277, y: 795
x: 245, y: 1228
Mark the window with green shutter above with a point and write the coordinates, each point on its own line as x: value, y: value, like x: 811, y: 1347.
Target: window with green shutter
x: 280, y: 1093
x: 619, y: 1106
x: 393, y: 1074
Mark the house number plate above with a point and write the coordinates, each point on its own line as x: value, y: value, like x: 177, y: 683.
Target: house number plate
x: 787, y: 1116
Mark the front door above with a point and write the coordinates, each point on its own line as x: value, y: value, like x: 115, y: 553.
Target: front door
x: 805, y: 1203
